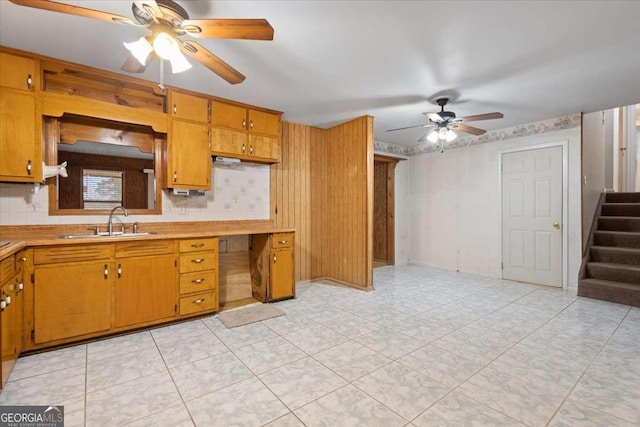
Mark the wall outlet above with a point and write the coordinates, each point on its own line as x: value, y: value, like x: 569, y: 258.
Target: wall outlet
x: 183, y: 211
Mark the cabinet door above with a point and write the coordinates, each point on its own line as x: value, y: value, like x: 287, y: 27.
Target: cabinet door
x: 17, y: 72
x: 227, y: 142
x: 9, y: 318
x: 264, y: 147
x: 189, y: 107
x: 190, y: 157
x: 263, y: 122
x: 71, y: 300
x: 20, y: 154
x: 228, y: 115
x: 146, y: 289
x: 282, y: 274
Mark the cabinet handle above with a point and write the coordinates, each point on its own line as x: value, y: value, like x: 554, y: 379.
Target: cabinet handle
x: 198, y: 245
x: 3, y: 305
x: 20, y: 286
x: 119, y: 271
x: 244, y: 123
x: 106, y: 271
x: 250, y: 124
x: 198, y: 301
x: 175, y: 109
x: 23, y: 259
x: 197, y: 260
x: 29, y: 81
x: 250, y: 149
x: 29, y: 167
x: 7, y: 299
x: 197, y: 281
x: 275, y: 259
x: 244, y: 148
x: 282, y: 242
x: 175, y: 176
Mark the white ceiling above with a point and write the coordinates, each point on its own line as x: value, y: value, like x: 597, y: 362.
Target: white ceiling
x: 331, y: 61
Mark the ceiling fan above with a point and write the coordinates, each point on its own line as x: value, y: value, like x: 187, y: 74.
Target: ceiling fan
x: 444, y: 122
x: 168, y: 21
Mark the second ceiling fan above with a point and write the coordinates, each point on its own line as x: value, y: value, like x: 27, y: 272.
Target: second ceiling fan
x: 444, y: 122
x: 168, y: 21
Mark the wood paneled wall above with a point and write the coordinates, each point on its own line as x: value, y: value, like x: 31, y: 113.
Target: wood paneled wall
x: 291, y: 191
x: 323, y: 187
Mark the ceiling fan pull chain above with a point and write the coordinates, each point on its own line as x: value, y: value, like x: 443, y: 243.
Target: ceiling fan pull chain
x: 161, y: 84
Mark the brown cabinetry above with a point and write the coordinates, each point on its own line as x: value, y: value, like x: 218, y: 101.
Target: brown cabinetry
x: 272, y: 266
x: 71, y: 298
x: 146, y: 286
x: 245, y: 133
x: 11, y: 306
x: 20, y: 139
x: 198, y: 276
x: 188, y: 152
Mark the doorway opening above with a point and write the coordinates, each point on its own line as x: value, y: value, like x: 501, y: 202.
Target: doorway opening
x: 384, y: 210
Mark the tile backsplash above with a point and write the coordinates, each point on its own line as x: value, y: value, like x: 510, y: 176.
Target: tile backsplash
x: 236, y: 194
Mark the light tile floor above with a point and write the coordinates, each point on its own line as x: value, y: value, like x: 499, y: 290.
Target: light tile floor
x: 426, y: 348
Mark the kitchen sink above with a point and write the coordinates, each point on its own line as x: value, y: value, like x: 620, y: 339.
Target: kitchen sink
x: 103, y: 234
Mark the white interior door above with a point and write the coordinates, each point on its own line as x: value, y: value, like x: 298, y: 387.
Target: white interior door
x: 532, y: 216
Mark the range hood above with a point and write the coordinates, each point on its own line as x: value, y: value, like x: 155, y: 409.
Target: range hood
x: 226, y: 161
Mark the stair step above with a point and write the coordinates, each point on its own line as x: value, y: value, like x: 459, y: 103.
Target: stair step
x: 619, y: 223
x: 614, y: 272
x: 622, y: 293
x: 615, y: 255
x: 622, y: 198
x: 621, y: 209
x: 617, y: 238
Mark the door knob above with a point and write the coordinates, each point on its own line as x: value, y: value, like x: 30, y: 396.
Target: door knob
x: 556, y: 225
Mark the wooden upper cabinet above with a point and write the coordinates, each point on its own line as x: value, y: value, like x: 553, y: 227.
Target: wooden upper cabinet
x: 189, y: 159
x: 185, y: 106
x: 228, y: 116
x: 20, y: 139
x: 17, y: 72
x: 264, y: 122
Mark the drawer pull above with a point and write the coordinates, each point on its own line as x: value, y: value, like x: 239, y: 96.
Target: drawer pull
x: 197, y: 281
x: 198, y: 301
x: 119, y: 271
x: 275, y: 259
x: 282, y: 242
x: 199, y: 245
x: 197, y: 260
x: 106, y: 271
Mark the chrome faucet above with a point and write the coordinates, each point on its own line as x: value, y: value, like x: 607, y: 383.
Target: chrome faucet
x: 110, y: 224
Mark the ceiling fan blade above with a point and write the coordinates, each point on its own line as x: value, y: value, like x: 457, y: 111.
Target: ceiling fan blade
x: 252, y: 29
x: 132, y: 65
x: 151, y: 8
x: 212, y: 62
x: 434, y: 117
x: 75, y: 10
x: 487, y: 116
x: 411, y: 127
x: 468, y: 129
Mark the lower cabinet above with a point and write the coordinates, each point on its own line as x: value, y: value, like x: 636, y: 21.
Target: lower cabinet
x: 272, y: 266
x: 71, y: 300
x: 11, y: 306
x: 145, y: 290
x: 198, y: 276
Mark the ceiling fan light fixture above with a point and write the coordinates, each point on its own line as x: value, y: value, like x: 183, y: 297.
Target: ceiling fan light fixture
x: 140, y: 49
x: 449, y: 135
x: 165, y: 46
x: 179, y: 63
x: 433, y: 136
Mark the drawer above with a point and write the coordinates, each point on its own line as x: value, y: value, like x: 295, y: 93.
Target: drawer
x: 199, y: 245
x: 206, y: 301
x: 198, y: 281
x: 281, y: 240
x: 145, y: 248
x: 198, y: 261
x: 71, y: 253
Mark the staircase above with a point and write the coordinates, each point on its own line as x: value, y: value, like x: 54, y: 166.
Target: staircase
x: 612, y: 270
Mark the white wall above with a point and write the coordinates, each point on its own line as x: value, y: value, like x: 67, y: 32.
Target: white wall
x: 454, y: 205
x: 237, y: 194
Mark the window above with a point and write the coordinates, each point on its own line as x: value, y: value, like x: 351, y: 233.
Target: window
x: 101, y: 189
